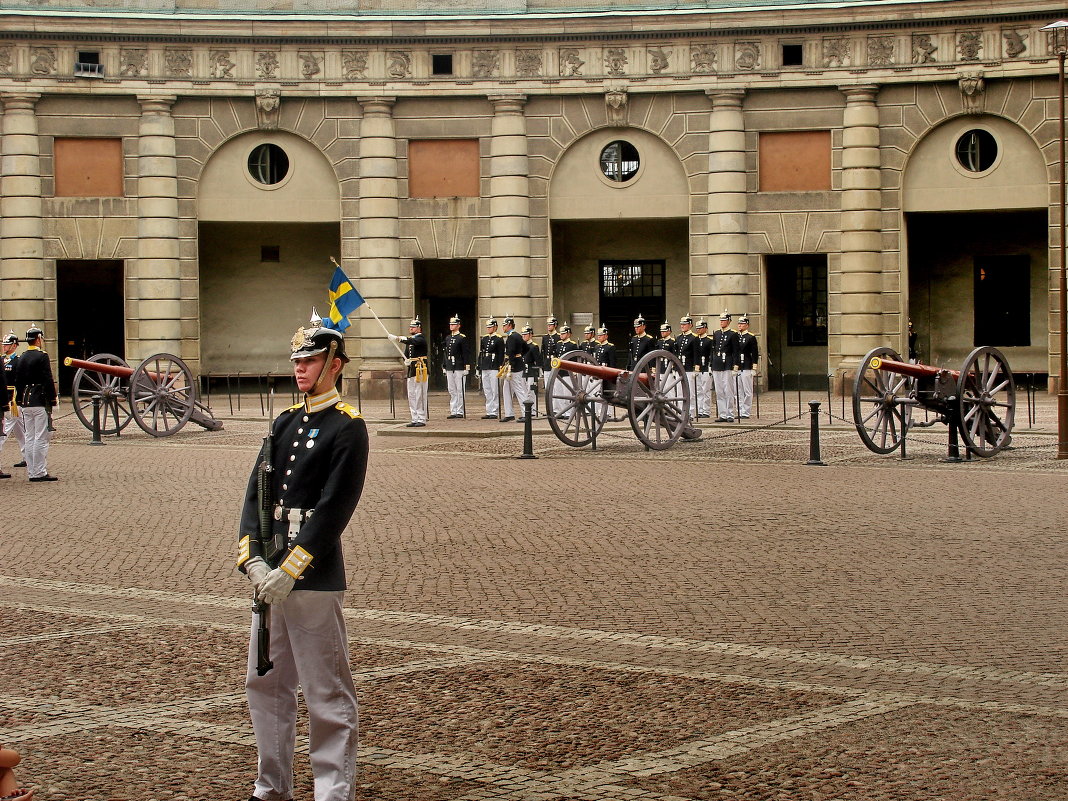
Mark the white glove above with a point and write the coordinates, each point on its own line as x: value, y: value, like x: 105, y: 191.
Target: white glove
x: 394, y: 337
x: 256, y: 570
x: 466, y: 372
x: 275, y: 587
x: 407, y: 362
x: 444, y: 371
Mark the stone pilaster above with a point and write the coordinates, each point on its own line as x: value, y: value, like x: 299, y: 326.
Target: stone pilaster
x: 159, y: 282
x: 728, y: 243
x: 22, y: 290
x: 507, y: 275
x: 860, y: 312
x: 380, y: 264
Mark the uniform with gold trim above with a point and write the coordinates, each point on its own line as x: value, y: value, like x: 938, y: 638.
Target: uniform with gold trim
x: 667, y: 341
x: 11, y: 420
x: 548, y: 346
x: 514, y: 383
x: 724, y: 363
x: 563, y: 346
x: 531, y: 364
x: 416, y: 351
x: 640, y: 344
x: 35, y: 393
x: 748, y: 357
x: 703, y: 348
x: 456, y: 362
x: 588, y: 343
x: 686, y: 352
x: 490, y: 361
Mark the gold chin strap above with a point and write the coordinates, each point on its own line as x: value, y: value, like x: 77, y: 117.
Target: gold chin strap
x: 316, y: 388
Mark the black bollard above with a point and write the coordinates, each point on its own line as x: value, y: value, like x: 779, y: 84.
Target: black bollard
x: 359, y: 397
x: 96, y: 421
x: 528, y: 431
x: 953, y: 450
x: 814, y: 435
x: 392, y: 405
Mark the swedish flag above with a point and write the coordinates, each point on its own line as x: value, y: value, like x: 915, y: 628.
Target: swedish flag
x: 344, y: 300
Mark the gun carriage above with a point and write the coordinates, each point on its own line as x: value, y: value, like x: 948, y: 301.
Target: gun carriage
x: 978, y: 401
x: 656, y: 395
x: 159, y: 394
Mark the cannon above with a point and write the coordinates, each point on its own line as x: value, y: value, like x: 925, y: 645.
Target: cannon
x: 655, y: 394
x: 978, y: 401
x: 159, y: 394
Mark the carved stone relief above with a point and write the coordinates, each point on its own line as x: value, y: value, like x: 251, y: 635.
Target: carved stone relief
x: 266, y: 65
x: 399, y: 64
x: 615, y: 99
x: 836, y: 52
x: 658, y: 60
x: 178, y: 63
x: 7, y: 60
x: 133, y: 63
x: 923, y: 49
x: 704, y: 58
x: 485, y: 63
x: 1015, y: 43
x: 747, y: 55
x: 570, y: 63
x: 880, y: 51
x: 970, y: 45
x: 354, y: 64
x: 972, y: 92
x: 43, y: 60
x: 221, y: 65
x: 267, y: 103
x: 311, y: 64
x: 528, y: 63
x: 615, y: 61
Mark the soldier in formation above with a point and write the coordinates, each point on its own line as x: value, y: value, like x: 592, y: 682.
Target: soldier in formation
x: 640, y: 344
x: 724, y: 364
x: 490, y: 362
x: 588, y: 344
x: 666, y: 341
x: 456, y: 364
x: 35, y: 394
x: 531, y: 366
x: 515, y: 383
x: 702, y: 348
x: 748, y: 358
x: 11, y: 423
x: 685, y: 349
x: 548, y: 347
x: 416, y: 350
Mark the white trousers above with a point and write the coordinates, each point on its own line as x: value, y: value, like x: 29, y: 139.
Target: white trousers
x: 516, y: 384
x: 455, y: 381
x: 13, y: 427
x: 309, y: 648
x: 704, y: 394
x: 417, y: 400
x: 35, y: 420
x: 745, y: 393
x: 691, y: 378
x: 489, y: 389
x: 724, y: 380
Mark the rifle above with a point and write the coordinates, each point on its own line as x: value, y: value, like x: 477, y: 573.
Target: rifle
x: 265, y: 500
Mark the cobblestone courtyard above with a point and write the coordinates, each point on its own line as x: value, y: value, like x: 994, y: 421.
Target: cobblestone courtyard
x: 718, y: 621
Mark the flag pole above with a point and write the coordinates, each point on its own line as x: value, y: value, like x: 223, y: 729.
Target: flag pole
x: 400, y: 350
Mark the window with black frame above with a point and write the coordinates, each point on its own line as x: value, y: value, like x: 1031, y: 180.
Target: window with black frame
x: 808, y: 307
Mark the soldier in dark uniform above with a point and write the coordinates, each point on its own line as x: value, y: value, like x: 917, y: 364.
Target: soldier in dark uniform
x: 666, y: 341
x: 685, y: 349
x: 588, y: 343
x: 490, y: 362
x: 456, y: 353
x: 702, y: 350
x: 724, y: 363
x: 563, y: 346
x: 914, y: 347
x: 319, y: 458
x: 10, y: 420
x: 35, y: 393
x: 531, y: 365
x: 514, y: 381
x: 605, y: 352
x: 416, y: 350
x: 640, y: 344
x: 5, y: 399
x: 748, y: 357
x: 548, y: 347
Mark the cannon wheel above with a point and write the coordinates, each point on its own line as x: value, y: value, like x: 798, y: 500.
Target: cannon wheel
x: 882, y: 403
x: 986, y: 393
x: 583, y: 402
x: 660, y: 409
x: 162, y: 394
x: 115, y: 412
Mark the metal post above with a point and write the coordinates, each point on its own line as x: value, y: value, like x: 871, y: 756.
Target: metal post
x: 798, y: 393
x: 528, y: 432
x: 814, y: 435
x: 1030, y: 377
x: 737, y: 396
x: 830, y: 391
x: 229, y: 394
x: 96, y: 421
x: 392, y: 405
x: 239, y: 390
x: 782, y: 387
x: 359, y: 397
x: 953, y: 450
x: 756, y: 393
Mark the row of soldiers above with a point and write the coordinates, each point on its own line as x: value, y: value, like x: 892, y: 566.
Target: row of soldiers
x: 726, y: 360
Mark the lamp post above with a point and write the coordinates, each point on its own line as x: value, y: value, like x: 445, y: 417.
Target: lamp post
x: 1058, y: 34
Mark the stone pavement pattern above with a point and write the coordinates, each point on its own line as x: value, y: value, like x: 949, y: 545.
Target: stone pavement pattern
x: 715, y: 622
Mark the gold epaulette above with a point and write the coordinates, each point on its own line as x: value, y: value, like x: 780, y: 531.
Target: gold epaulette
x: 295, y: 406
x: 348, y: 409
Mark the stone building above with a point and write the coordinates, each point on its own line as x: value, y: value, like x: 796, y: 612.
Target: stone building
x: 176, y: 175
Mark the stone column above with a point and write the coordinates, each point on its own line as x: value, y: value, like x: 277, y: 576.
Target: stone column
x: 22, y: 290
x: 507, y: 284
x: 380, y: 265
x: 159, y: 307
x: 728, y: 239
x: 860, y: 313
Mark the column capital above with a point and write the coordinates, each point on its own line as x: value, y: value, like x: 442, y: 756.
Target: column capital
x: 156, y: 104
x: 861, y: 93
x: 376, y: 106
x: 22, y: 101
x: 725, y: 98
x: 507, y: 103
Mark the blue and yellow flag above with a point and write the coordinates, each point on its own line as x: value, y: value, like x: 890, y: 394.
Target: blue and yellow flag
x: 344, y: 300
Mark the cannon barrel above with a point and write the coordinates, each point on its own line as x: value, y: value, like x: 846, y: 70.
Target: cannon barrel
x: 909, y: 368
x: 600, y: 371
x: 116, y: 370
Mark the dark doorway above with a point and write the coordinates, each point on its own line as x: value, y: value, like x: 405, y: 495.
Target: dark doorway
x: 630, y: 289
x: 1002, y: 300
x: 90, y: 313
x: 445, y: 288
x: 797, y: 321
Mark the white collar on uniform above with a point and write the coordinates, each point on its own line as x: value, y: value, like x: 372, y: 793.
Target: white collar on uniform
x: 317, y: 403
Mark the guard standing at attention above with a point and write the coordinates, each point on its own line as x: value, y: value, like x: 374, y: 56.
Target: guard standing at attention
x: 490, y: 361
x: 588, y: 343
x: 5, y: 399
x: 11, y: 423
x: 748, y: 357
x: 416, y: 350
x: 724, y: 363
x: 35, y: 393
x: 548, y: 347
x: 531, y: 366
x: 640, y: 344
x: 457, y: 364
x: 563, y: 346
x: 605, y: 352
x: 702, y: 349
x: 514, y: 381
x: 666, y: 341
x: 317, y: 460
x: 685, y: 350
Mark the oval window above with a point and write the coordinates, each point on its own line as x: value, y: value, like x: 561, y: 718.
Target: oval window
x: 619, y: 161
x: 268, y: 164
x: 977, y: 150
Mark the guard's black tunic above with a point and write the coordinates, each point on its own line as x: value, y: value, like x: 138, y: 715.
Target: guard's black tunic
x: 724, y: 349
x: 9, y: 370
x: 514, y: 348
x: 548, y: 350
x: 685, y: 350
x: 415, y: 347
x: 532, y: 360
x: 491, y: 352
x: 5, y: 397
x: 588, y: 346
x: 702, y: 349
x: 563, y: 346
x: 33, y: 379
x: 605, y: 353
x: 319, y: 461
x: 748, y: 351
x: 639, y: 346
x: 667, y: 344
x: 457, y: 353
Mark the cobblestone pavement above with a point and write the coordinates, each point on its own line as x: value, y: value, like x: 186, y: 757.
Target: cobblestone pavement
x: 717, y: 621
